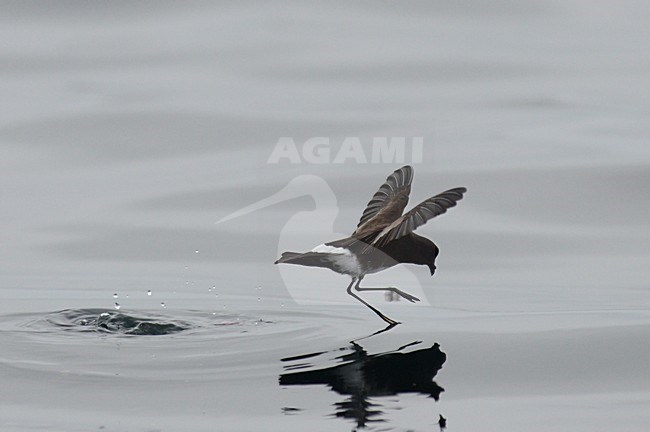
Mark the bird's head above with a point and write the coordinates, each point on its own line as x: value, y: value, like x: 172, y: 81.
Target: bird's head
x: 432, y: 267
x: 428, y: 252
x: 416, y: 250
x: 432, y: 254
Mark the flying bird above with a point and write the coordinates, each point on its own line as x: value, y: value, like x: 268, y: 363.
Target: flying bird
x: 383, y: 238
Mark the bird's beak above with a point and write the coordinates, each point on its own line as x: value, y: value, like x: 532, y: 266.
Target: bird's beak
x: 433, y: 270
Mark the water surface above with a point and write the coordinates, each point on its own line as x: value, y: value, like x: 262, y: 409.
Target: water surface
x: 127, y: 130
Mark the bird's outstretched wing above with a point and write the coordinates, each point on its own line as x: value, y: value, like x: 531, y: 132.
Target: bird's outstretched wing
x: 387, y: 204
x: 419, y: 215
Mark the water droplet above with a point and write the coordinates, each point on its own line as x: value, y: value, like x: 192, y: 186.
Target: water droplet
x: 187, y: 267
x: 149, y: 292
x: 127, y: 296
x: 115, y: 295
x: 216, y: 296
x: 163, y: 304
x: 214, y: 313
x: 117, y: 306
x: 259, y: 287
x: 282, y: 305
x: 259, y: 299
x: 196, y: 251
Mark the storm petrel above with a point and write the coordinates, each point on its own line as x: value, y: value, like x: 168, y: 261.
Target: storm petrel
x: 384, y: 237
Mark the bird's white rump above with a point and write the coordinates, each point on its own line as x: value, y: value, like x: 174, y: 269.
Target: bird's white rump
x: 323, y: 248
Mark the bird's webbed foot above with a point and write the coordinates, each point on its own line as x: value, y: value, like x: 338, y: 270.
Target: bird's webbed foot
x: 404, y: 295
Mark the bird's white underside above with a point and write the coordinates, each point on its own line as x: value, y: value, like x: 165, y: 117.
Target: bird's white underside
x: 344, y: 261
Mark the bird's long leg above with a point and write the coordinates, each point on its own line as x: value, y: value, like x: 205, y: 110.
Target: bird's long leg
x: 397, y: 291
x: 388, y: 327
x: 381, y: 315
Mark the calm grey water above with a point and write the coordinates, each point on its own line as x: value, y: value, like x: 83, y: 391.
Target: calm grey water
x: 127, y: 130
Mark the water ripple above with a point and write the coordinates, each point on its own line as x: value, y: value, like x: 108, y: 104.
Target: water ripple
x: 112, y: 322
x: 104, y: 321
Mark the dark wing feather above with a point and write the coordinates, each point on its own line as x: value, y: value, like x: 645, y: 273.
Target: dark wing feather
x: 389, y: 201
x: 419, y: 215
x: 348, y: 243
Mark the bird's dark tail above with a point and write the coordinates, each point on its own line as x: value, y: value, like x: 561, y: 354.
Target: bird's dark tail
x: 287, y: 257
x: 310, y: 259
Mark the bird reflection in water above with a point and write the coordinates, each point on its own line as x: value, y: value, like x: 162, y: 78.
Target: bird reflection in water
x: 362, y: 376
